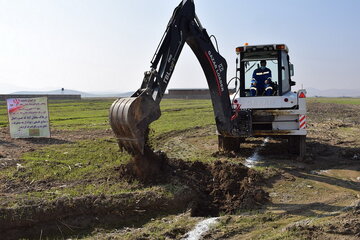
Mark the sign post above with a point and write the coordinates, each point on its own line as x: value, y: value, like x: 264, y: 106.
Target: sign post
x: 28, y: 117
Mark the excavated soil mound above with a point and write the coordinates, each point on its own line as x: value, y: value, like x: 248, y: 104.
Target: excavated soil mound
x: 220, y: 186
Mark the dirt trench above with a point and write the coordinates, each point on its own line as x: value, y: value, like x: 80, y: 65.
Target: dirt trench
x: 207, y: 190
x: 221, y: 186
x: 79, y: 216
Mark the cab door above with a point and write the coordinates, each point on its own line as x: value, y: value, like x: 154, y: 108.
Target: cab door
x: 284, y: 73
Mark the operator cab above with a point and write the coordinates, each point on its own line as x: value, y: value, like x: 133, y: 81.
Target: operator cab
x: 277, y: 60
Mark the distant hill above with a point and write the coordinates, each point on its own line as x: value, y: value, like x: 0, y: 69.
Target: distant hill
x: 313, y: 92
x: 83, y: 94
x: 52, y: 92
x: 6, y: 88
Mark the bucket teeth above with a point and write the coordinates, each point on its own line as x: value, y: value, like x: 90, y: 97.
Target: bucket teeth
x: 130, y: 119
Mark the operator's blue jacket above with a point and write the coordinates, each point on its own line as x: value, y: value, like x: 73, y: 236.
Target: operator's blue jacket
x: 260, y: 76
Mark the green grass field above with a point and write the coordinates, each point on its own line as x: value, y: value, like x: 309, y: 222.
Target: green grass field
x: 354, y: 101
x: 93, y: 113
x: 91, y: 160
x: 84, y: 164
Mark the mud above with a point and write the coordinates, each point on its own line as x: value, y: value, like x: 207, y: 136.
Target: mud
x: 219, y: 187
x: 147, y: 166
x: 150, y: 166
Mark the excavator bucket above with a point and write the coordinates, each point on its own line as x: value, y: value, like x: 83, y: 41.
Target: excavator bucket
x: 130, y: 119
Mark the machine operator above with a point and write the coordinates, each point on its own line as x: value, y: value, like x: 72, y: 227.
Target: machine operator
x: 261, y: 81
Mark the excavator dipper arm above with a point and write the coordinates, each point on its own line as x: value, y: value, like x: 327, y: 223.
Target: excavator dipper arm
x: 130, y: 117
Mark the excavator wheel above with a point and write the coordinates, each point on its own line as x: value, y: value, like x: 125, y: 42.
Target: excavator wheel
x: 297, y: 145
x: 229, y: 144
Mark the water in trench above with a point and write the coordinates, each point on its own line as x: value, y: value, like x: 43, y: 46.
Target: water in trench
x: 256, y: 158
x: 200, y: 229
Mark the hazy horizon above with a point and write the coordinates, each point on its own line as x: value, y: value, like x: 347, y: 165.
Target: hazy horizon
x: 311, y: 92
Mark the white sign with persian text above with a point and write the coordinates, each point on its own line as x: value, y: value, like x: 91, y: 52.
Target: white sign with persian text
x: 28, y: 117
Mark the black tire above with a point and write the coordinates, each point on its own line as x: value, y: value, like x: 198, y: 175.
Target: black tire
x: 297, y: 145
x: 228, y: 144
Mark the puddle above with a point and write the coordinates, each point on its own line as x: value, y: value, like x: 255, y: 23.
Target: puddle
x: 344, y: 174
x: 320, y: 172
x: 255, y: 159
x: 200, y: 228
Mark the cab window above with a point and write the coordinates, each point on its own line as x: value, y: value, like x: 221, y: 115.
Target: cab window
x: 251, y: 65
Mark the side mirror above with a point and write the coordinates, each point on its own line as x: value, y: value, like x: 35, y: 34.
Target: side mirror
x: 291, y: 69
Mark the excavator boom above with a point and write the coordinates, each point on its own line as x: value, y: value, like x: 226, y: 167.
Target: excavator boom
x: 131, y: 117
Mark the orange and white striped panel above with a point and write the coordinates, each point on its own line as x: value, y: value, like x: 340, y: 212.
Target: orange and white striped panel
x: 302, y: 121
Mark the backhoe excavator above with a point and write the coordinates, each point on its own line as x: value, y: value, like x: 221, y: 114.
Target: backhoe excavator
x: 238, y: 115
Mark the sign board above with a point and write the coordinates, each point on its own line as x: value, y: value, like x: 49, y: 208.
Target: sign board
x: 28, y: 117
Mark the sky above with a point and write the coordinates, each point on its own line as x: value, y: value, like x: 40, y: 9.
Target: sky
x: 107, y: 45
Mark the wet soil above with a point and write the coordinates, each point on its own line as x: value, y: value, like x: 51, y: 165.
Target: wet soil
x: 219, y: 187
x: 149, y: 167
